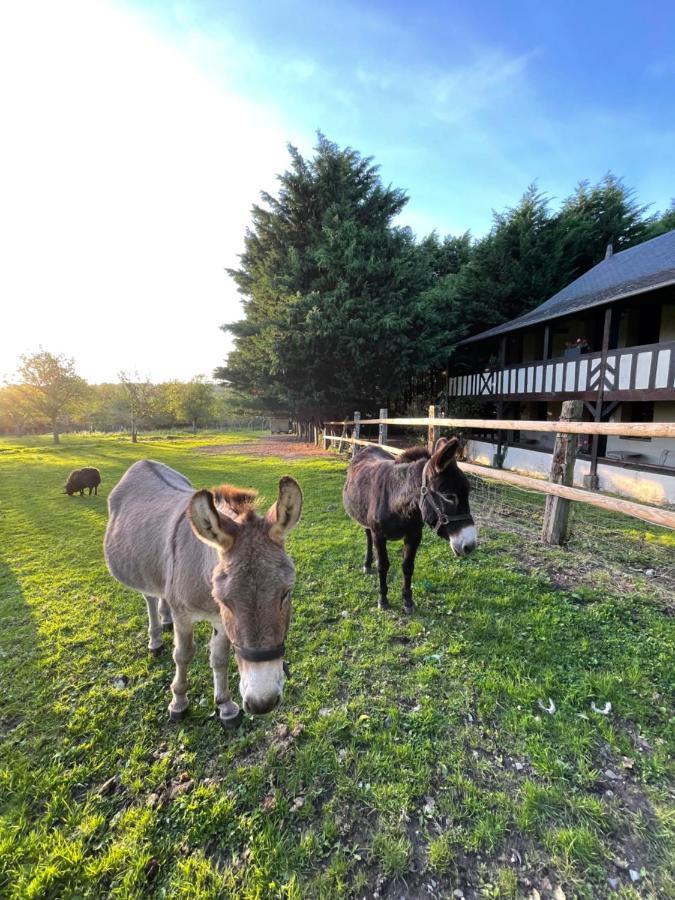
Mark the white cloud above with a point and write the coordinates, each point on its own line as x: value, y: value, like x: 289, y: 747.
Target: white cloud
x: 126, y: 178
x: 466, y: 90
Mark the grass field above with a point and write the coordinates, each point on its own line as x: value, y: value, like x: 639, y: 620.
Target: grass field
x: 410, y: 757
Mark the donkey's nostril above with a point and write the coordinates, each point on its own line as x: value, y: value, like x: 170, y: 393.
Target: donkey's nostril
x: 260, y: 707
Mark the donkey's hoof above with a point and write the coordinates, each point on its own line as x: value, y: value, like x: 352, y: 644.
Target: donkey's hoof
x: 367, y: 570
x: 408, y: 608
x: 383, y: 604
x: 156, y: 651
x: 167, y: 626
x: 287, y: 669
x: 233, y: 722
x: 177, y: 715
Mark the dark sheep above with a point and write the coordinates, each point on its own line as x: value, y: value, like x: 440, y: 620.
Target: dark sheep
x: 79, y: 479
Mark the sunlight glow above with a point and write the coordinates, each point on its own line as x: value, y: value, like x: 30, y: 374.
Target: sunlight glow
x: 126, y: 179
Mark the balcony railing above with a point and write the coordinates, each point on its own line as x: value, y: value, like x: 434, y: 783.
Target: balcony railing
x: 646, y: 372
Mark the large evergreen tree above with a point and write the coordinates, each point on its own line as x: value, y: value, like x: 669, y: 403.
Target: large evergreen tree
x: 329, y: 286
x: 593, y: 217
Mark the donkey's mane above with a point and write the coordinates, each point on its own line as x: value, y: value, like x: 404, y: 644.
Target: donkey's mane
x: 410, y: 454
x: 243, y: 501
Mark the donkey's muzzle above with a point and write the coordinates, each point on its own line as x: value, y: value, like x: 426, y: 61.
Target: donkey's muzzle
x: 260, y: 707
x: 261, y: 685
x: 464, y: 541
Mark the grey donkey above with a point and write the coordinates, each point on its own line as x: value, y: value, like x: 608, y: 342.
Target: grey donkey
x: 208, y: 556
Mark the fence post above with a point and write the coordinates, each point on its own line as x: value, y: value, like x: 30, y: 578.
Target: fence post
x: 356, y: 433
x: 343, y: 435
x: 434, y: 431
x: 382, y: 434
x: 556, y: 512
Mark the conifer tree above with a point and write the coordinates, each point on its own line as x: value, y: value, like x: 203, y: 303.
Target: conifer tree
x: 329, y: 286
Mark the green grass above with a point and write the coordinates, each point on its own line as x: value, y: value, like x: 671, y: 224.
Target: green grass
x: 407, y: 752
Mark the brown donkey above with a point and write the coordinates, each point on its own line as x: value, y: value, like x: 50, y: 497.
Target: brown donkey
x: 208, y: 556
x: 395, y: 498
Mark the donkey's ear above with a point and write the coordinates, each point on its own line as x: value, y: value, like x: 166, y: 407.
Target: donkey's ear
x: 209, y: 525
x: 445, y: 453
x: 285, y: 513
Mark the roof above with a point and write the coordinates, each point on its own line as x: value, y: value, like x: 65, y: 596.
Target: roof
x: 641, y: 268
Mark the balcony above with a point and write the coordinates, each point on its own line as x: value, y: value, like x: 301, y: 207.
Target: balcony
x: 631, y: 373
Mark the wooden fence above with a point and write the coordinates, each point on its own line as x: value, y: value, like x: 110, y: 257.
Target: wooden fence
x: 558, y: 487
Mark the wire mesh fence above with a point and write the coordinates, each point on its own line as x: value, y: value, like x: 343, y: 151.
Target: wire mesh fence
x: 601, y: 548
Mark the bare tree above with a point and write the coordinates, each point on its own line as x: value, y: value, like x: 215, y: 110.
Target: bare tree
x: 139, y: 399
x: 51, y: 386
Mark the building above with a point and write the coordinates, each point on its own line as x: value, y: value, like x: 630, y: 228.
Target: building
x: 607, y: 339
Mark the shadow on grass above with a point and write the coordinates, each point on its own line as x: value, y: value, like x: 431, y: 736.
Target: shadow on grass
x: 19, y: 653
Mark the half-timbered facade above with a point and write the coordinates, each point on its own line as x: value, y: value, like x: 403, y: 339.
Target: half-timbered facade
x: 607, y: 339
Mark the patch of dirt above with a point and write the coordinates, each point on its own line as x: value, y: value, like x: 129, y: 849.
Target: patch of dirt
x: 575, y: 571
x: 287, y: 446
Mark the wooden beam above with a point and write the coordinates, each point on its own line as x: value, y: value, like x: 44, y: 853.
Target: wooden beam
x: 363, y: 443
x: 433, y: 432
x: 635, y: 429
x: 356, y: 433
x: 599, y: 443
x: 557, y: 509
x: 382, y: 422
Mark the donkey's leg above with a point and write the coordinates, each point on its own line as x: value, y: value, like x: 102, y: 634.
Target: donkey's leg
x: 410, y: 544
x: 383, y: 568
x: 165, y: 615
x: 229, y: 713
x: 368, y: 562
x: 183, y: 651
x: 154, y: 625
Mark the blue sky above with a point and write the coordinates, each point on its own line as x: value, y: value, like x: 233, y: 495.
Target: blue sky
x: 137, y: 134
x: 465, y: 104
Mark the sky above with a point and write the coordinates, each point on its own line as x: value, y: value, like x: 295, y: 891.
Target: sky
x: 136, y: 136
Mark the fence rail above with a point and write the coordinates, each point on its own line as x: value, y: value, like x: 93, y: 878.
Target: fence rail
x: 628, y: 429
